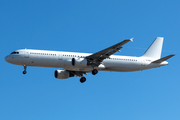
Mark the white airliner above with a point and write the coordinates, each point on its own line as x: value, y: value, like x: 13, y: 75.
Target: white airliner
x: 78, y: 64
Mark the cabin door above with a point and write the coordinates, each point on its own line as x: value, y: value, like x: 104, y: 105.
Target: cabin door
x: 26, y: 54
x: 60, y: 56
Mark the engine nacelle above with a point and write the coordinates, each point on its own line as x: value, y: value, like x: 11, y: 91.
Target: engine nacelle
x: 62, y: 74
x: 79, y: 62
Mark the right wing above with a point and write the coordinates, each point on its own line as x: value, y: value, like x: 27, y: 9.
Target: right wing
x: 96, y: 58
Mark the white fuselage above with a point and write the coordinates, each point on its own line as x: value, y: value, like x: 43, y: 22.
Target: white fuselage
x: 59, y: 59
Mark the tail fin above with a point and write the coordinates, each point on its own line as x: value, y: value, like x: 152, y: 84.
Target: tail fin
x: 154, y: 51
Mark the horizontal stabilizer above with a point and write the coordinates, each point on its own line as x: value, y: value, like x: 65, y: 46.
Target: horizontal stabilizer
x: 163, y: 59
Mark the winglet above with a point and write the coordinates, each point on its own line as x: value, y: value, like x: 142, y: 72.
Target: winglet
x: 131, y: 39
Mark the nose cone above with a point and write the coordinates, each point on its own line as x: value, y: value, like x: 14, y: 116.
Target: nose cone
x: 8, y: 59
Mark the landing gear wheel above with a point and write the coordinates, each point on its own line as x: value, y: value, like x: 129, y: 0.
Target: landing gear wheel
x: 25, y: 67
x: 83, y: 79
x: 24, y: 72
x: 94, y: 72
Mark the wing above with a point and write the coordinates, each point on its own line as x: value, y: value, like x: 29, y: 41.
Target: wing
x: 96, y: 58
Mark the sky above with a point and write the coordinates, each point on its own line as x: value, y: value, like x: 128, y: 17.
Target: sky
x: 89, y: 26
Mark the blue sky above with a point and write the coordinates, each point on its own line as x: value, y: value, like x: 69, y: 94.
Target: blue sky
x: 89, y: 26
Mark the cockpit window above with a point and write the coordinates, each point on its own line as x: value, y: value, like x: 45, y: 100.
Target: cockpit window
x: 15, y: 53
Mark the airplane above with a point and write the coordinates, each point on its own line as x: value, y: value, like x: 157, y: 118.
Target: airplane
x: 79, y: 64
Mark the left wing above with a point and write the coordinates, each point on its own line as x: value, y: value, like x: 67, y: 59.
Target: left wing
x: 96, y: 58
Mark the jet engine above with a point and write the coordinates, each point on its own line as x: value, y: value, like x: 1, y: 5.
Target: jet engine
x: 79, y: 62
x: 62, y: 74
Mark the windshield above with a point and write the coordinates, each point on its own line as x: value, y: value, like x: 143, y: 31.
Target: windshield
x: 15, y: 52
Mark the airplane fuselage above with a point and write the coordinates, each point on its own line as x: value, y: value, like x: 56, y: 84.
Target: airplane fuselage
x: 58, y: 59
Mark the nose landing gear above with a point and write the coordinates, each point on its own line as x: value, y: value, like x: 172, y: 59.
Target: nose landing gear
x: 24, y: 72
x: 25, y: 67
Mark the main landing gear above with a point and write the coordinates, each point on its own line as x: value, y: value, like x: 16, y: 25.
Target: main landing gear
x: 94, y: 72
x: 25, y: 67
x: 83, y: 79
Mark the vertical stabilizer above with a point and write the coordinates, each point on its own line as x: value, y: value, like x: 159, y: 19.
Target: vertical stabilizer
x: 154, y: 51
